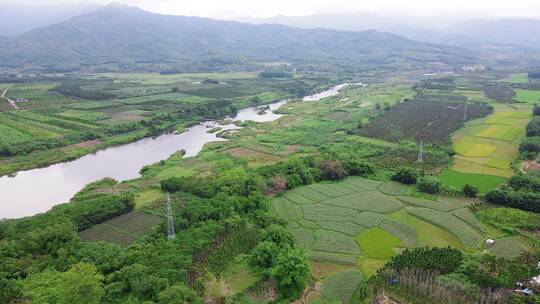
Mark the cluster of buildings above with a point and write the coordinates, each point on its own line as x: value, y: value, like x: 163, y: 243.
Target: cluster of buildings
x: 473, y: 68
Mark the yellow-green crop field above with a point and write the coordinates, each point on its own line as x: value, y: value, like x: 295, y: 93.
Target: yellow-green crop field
x: 489, y: 145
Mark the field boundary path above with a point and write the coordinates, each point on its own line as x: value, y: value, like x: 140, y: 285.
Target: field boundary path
x: 13, y: 104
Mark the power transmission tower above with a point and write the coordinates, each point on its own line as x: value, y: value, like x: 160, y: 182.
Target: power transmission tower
x: 170, y: 221
x: 465, y: 113
x: 421, y: 152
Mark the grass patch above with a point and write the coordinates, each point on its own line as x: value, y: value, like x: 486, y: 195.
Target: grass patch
x: 146, y: 197
x: 527, y: 96
x: 239, y: 277
x: 457, y: 180
x: 370, y: 266
x: 378, y: 243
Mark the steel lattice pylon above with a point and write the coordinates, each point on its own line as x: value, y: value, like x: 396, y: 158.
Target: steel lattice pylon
x: 170, y: 220
x: 421, y: 152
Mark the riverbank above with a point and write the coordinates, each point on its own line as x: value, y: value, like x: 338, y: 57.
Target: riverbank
x: 58, y: 183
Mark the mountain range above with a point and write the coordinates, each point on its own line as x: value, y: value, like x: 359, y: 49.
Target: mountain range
x: 462, y: 32
x: 131, y: 37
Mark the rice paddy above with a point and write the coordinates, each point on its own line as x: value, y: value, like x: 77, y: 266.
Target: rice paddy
x: 485, y: 148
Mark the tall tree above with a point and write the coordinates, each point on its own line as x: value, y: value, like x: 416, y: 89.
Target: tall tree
x: 81, y: 284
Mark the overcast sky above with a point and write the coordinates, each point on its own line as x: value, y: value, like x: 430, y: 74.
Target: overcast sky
x: 267, y: 8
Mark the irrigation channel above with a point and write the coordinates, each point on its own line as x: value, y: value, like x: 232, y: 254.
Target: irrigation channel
x: 38, y: 190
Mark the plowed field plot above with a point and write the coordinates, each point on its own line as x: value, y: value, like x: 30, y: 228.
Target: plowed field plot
x: 123, y: 229
x: 354, y: 222
x: 499, y: 92
x: 431, y: 121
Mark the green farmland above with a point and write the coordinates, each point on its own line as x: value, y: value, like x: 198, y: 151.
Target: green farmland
x: 352, y: 223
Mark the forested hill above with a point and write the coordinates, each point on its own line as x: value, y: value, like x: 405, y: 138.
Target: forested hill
x: 130, y: 36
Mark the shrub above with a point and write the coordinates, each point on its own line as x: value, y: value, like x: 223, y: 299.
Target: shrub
x: 277, y: 234
x: 275, y: 74
x: 405, y: 175
x: 358, y: 167
x: 278, y: 183
x: 263, y: 255
x: 527, y: 201
x: 291, y: 272
x: 333, y: 170
x: 530, y: 144
x: 536, y: 110
x: 198, y: 186
x: 533, y: 128
x: 429, y: 184
x: 470, y: 191
x: 525, y: 183
x: 445, y: 260
x: 179, y: 294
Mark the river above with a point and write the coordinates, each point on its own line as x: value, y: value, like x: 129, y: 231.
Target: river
x: 38, y: 190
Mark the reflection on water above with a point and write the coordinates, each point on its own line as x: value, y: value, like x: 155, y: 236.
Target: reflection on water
x: 35, y: 191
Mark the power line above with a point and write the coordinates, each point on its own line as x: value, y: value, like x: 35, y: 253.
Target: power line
x: 170, y: 221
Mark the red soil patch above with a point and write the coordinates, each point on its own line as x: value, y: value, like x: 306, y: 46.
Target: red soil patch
x: 87, y: 144
x: 531, y: 166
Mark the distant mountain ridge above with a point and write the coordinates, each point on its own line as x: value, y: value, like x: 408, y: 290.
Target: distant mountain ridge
x: 131, y: 36
x: 518, y: 32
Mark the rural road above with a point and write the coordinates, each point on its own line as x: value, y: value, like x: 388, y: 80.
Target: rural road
x: 13, y: 104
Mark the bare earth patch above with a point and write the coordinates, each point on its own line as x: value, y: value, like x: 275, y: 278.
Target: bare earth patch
x: 293, y: 148
x: 531, y: 166
x: 87, y: 144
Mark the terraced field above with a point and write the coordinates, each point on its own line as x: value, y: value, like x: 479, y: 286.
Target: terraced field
x: 363, y: 223
x: 486, y: 147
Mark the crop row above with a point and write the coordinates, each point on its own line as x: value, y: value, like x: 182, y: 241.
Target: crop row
x: 468, y: 236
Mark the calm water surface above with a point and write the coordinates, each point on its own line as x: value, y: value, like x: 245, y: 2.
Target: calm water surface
x: 38, y: 190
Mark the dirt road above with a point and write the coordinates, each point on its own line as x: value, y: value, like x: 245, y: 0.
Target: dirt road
x: 13, y: 104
